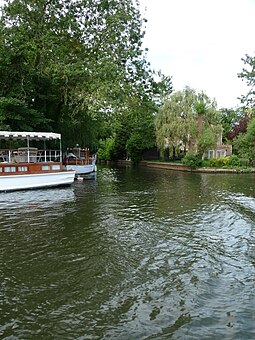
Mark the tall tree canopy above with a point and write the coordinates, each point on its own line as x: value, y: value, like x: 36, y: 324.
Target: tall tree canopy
x: 76, y: 64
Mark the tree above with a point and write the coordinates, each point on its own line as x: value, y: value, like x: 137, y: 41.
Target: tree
x: 248, y: 74
x: 208, y: 139
x: 134, y: 130
x: 238, y: 128
x: 174, y: 120
x: 244, y: 143
x: 15, y: 114
x: 142, y: 134
x: 77, y: 63
x: 228, y: 119
x: 178, y: 120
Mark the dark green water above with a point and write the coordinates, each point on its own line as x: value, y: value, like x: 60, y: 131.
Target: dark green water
x: 133, y: 254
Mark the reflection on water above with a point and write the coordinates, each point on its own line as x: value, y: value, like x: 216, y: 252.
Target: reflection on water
x: 29, y: 206
x: 134, y: 254
x: 42, y: 198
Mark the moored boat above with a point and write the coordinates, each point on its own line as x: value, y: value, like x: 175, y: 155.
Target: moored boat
x: 30, y: 167
x: 80, y: 161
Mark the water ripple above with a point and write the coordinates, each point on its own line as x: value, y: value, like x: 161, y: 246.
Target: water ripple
x: 133, y: 255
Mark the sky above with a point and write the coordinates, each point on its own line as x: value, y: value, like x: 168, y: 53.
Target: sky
x: 200, y: 43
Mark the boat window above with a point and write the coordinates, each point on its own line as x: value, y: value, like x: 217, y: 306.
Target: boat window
x: 45, y: 167
x: 9, y: 169
x: 1, y: 169
x: 55, y: 167
x: 22, y: 168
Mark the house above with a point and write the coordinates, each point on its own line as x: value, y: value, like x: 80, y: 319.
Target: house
x: 222, y: 150
x: 219, y: 151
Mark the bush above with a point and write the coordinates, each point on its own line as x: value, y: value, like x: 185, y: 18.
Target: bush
x: 218, y: 162
x: 193, y: 160
x: 232, y: 161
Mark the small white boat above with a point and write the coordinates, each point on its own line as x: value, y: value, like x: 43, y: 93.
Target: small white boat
x: 80, y: 161
x: 29, y: 167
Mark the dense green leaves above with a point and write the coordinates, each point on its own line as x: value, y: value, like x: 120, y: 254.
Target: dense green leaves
x: 245, y: 142
x: 16, y: 115
x: 192, y: 159
x: 79, y: 64
x: 208, y: 138
x: 177, y: 122
x: 228, y: 119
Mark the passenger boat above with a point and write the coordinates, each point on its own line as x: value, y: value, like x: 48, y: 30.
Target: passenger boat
x: 80, y: 161
x: 29, y: 167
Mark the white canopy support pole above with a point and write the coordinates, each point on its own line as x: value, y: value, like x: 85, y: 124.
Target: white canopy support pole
x: 9, y: 153
x: 28, y: 154
x: 45, y: 152
x: 60, y: 150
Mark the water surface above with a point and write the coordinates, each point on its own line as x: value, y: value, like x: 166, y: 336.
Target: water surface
x: 135, y: 253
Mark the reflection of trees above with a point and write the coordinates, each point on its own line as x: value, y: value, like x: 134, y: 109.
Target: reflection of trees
x: 136, y: 242
x: 171, y: 192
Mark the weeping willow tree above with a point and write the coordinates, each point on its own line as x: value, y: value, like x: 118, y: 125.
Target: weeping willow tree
x: 184, y: 121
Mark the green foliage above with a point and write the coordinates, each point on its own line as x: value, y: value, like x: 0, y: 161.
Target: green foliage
x: 78, y: 64
x: 82, y: 130
x: 228, y: 162
x: 136, y: 120
x: 248, y: 74
x: 208, y: 138
x: 16, y: 115
x: 122, y: 130
x: 177, y: 119
x: 135, y: 147
x: 244, y: 144
x: 106, y: 149
x: 235, y: 161
x: 228, y: 119
x: 193, y: 160
x: 200, y: 106
x: 218, y: 162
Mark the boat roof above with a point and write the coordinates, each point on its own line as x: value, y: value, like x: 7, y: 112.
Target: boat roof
x: 30, y: 135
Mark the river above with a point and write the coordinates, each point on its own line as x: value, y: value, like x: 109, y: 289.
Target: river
x: 135, y: 253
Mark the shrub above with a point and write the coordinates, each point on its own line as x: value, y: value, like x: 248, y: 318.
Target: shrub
x: 232, y: 161
x: 218, y: 162
x: 193, y: 160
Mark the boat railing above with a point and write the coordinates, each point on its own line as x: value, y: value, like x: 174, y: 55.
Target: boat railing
x: 29, y: 155
x: 78, y: 156
x: 79, y: 161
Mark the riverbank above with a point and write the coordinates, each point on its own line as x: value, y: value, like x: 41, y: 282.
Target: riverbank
x: 182, y: 167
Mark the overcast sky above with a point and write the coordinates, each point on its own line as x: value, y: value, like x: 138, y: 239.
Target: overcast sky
x: 200, y: 43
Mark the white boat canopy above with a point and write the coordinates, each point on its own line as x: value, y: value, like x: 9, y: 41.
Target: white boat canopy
x: 29, y: 135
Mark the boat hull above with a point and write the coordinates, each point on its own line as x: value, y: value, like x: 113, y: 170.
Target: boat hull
x: 36, y: 181
x: 81, y: 169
